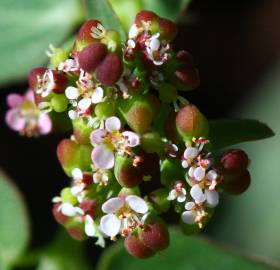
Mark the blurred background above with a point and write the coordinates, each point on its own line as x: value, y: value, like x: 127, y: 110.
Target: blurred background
x: 236, y: 46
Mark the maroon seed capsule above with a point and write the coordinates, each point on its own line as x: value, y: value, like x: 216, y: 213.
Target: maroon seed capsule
x: 137, y: 249
x: 155, y: 236
x: 168, y: 29
x: 85, y: 31
x: 145, y: 16
x: 91, y: 56
x: 238, y: 184
x: 89, y: 207
x: 110, y: 70
x: 234, y: 160
x: 187, y: 78
x: 59, y: 217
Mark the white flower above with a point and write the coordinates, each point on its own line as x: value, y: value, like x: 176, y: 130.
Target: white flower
x: 69, y: 65
x: 92, y: 230
x: 78, y: 188
x: 178, y: 192
x: 101, y: 177
x: 156, y: 51
x: 211, y: 197
x: 189, y: 155
x: 123, y: 215
x: 110, y: 140
x: 69, y: 210
x: 46, y: 83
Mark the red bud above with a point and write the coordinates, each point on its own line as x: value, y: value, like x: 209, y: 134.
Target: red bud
x: 89, y: 207
x: 237, y: 184
x: 145, y: 16
x: 168, y: 29
x: 234, y: 160
x: 85, y: 31
x: 33, y: 76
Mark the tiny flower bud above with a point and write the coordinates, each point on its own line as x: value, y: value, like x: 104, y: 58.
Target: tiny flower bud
x: 71, y: 156
x: 67, y: 196
x: 105, y: 109
x: 137, y: 249
x: 91, y: 56
x: 111, y: 40
x: 158, y: 199
x: 109, y: 70
x: 59, y: 55
x: 139, y: 112
x: 237, y: 184
x: 155, y: 236
x: 170, y: 170
x: 151, y: 142
x: 59, y: 103
x: 168, y: 29
x: 59, y: 217
x: 81, y: 131
x: 190, y: 122
x: 126, y: 174
x: 234, y: 160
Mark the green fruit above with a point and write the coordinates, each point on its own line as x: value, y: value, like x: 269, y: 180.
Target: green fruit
x: 151, y: 142
x: 59, y: 55
x: 59, y: 103
x: 105, y: 109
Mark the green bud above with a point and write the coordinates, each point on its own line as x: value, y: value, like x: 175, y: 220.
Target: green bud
x: 105, y: 109
x: 167, y: 93
x: 59, y: 55
x: 59, y: 103
x: 112, y: 40
x: 158, y: 199
x: 67, y: 196
x: 171, y: 171
x: 190, y: 122
x: 81, y: 131
x: 151, y: 142
x: 126, y: 173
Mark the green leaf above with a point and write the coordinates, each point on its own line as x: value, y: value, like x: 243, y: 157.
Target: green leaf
x: 166, y: 8
x: 183, y: 253
x: 27, y: 28
x: 63, y: 253
x: 103, y: 11
x: 225, y: 133
x: 14, y: 225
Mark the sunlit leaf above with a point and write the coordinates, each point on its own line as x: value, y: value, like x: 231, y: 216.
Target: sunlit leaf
x: 103, y: 11
x: 228, y: 132
x: 14, y: 226
x: 27, y: 28
x: 184, y: 253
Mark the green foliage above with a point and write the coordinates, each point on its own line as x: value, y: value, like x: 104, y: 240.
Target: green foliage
x: 27, y: 28
x: 224, y: 133
x: 183, y: 253
x: 14, y: 225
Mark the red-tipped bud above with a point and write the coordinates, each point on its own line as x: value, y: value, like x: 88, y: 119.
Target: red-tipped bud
x: 234, y: 160
x: 59, y: 217
x: 190, y: 122
x: 33, y: 76
x: 126, y: 173
x: 168, y: 29
x: 109, y: 70
x: 85, y: 32
x: 155, y: 236
x: 137, y: 249
x: 89, y: 207
x: 91, y: 56
x: 145, y: 16
x: 237, y: 184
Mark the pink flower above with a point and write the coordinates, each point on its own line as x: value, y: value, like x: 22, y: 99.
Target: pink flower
x: 24, y: 116
x: 109, y: 141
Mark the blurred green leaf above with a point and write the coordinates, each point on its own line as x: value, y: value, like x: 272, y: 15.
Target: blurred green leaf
x: 27, y: 28
x: 63, y: 253
x: 228, y: 132
x: 184, y: 253
x: 166, y: 8
x: 14, y: 225
x: 103, y: 11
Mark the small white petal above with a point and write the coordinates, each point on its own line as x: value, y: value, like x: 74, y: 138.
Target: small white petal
x: 112, y: 205
x: 72, y: 114
x: 103, y: 157
x: 131, y: 43
x: 190, y: 152
x: 188, y: 217
x: 132, y: 137
x: 97, y: 136
x: 77, y: 174
x: 133, y: 31
x: 137, y: 204
x: 56, y: 199
x: 97, y: 95
x: 189, y: 205
x: 185, y: 164
x: 84, y: 103
x: 212, y: 197
x: 68, y: 209
x: 172, y: 195
x: 199, y: 173
x: 191, y: 172
x: 89, y: 227
x: 197, y: 194
x: 75, y: 190
x: 154, y: 43
x: 181, y: 198
x: 212, y: 175
x: 71, y: 92
x: 112, y: 123
x: 110, y: 225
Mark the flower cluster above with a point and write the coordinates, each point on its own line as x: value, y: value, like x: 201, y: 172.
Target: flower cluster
x: 138, y: 148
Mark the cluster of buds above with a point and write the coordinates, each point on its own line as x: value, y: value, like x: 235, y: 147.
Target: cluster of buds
x: 138, y: 149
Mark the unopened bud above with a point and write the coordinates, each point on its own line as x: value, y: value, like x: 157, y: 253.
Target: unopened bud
x: 59, y: 217
x: 168, y: 29
x: 237, y: 184
x: 234, y: 160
